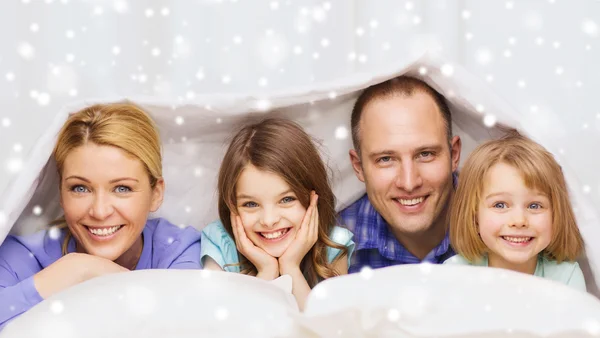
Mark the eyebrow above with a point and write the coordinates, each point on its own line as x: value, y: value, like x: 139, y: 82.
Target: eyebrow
x: 111, y: 181
x: 505, y: 193
x: 243, y: 196
x: 431, y: 147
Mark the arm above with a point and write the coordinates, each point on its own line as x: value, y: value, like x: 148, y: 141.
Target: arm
x: 300, y: 287
x: 210, y: 264
x: 16, y: 296
x: 190, y: 256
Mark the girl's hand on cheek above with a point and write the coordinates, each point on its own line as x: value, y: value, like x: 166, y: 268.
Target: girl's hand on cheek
x: 266, y: 265
x: 305, y: 239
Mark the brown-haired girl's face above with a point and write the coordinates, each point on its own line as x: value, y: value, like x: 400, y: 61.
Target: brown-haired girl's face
x: 270, y: 211
x: 106, y: 197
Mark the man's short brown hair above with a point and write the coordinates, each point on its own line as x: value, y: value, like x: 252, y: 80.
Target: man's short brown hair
x: 400, y: 86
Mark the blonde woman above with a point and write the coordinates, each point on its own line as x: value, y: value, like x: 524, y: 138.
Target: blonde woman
x: 109, y: 163
x: 512, y: 210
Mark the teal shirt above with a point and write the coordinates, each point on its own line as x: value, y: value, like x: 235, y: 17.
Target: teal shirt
x: 218, y: 245
x: 568, y: 273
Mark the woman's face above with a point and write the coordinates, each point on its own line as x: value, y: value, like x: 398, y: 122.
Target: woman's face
x: 106, y: 197
x: 270, y: 211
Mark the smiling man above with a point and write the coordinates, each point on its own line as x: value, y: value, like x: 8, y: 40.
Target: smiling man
x: 406, y: 155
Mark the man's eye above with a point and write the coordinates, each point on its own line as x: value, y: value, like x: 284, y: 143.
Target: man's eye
x: 384, y: 159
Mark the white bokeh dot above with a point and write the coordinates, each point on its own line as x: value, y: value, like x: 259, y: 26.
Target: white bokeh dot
x: 17, y: 148
x: 559, y: 70
x: 221, y: 313
x: 70, y: 34
x: 489, y: 120
x: 37, y: 210
x: 509, y: 5
x: 263, y: 82
x: 121, y: 6
x: 425, y: 267
x: 26, y: 50
x: 360, y: 31
x: 34, y: 27
x: 43, y: 99
x: 341, y: 133
x: 155, y: 51
x: 332, y: 95
x: 149, y: 12
x: 10, y: 76
x: 226, y: 79
x: 14, y: 165
x: 54, y: 232
x: 165, y: 11
x: 366, y: 272
x: 57, y: 307
x: 179, y: 120
x: 6, y: 122
x: 393, y: 315
x: 263, y: 104
x: 422, y: 70
x: 116, y: 50
x: 586, y: 189
x: 483, y: 56
x: 589, y: 27
x: 447, y: 70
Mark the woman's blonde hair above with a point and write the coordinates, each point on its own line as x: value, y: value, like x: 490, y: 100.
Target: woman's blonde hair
x: 539, y: 171
x: 282, y: 147
x: 121, y: 125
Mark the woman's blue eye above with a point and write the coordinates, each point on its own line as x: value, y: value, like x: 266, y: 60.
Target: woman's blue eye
x: 79, y: 189
x: 122, y: 189
x: 500, y: 205
x: 535, y: 206
x: 288, y: 199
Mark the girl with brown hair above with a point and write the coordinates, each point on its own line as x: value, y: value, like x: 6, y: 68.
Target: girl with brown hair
x: 277, y: 210
x: 512, y: 210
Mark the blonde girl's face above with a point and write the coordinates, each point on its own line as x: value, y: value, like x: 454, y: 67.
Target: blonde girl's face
x: 270, y: 211
x: 515, y: 222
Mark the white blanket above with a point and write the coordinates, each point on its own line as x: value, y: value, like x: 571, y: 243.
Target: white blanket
x: 196, y: 135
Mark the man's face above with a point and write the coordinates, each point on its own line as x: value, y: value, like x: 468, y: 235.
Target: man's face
x: 406, y: 162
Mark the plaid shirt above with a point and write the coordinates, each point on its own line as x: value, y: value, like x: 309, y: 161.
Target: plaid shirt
x: 376, y: 245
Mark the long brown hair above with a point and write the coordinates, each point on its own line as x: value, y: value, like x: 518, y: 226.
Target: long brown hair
x: 121, y: 125
x: 282, y: 147
x: 539, y: 170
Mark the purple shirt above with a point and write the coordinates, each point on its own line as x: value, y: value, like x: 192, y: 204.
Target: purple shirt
x: 166, y: 246
x: 376, y: 245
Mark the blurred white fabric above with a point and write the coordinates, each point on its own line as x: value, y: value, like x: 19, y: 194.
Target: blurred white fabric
x: 412, y: 301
